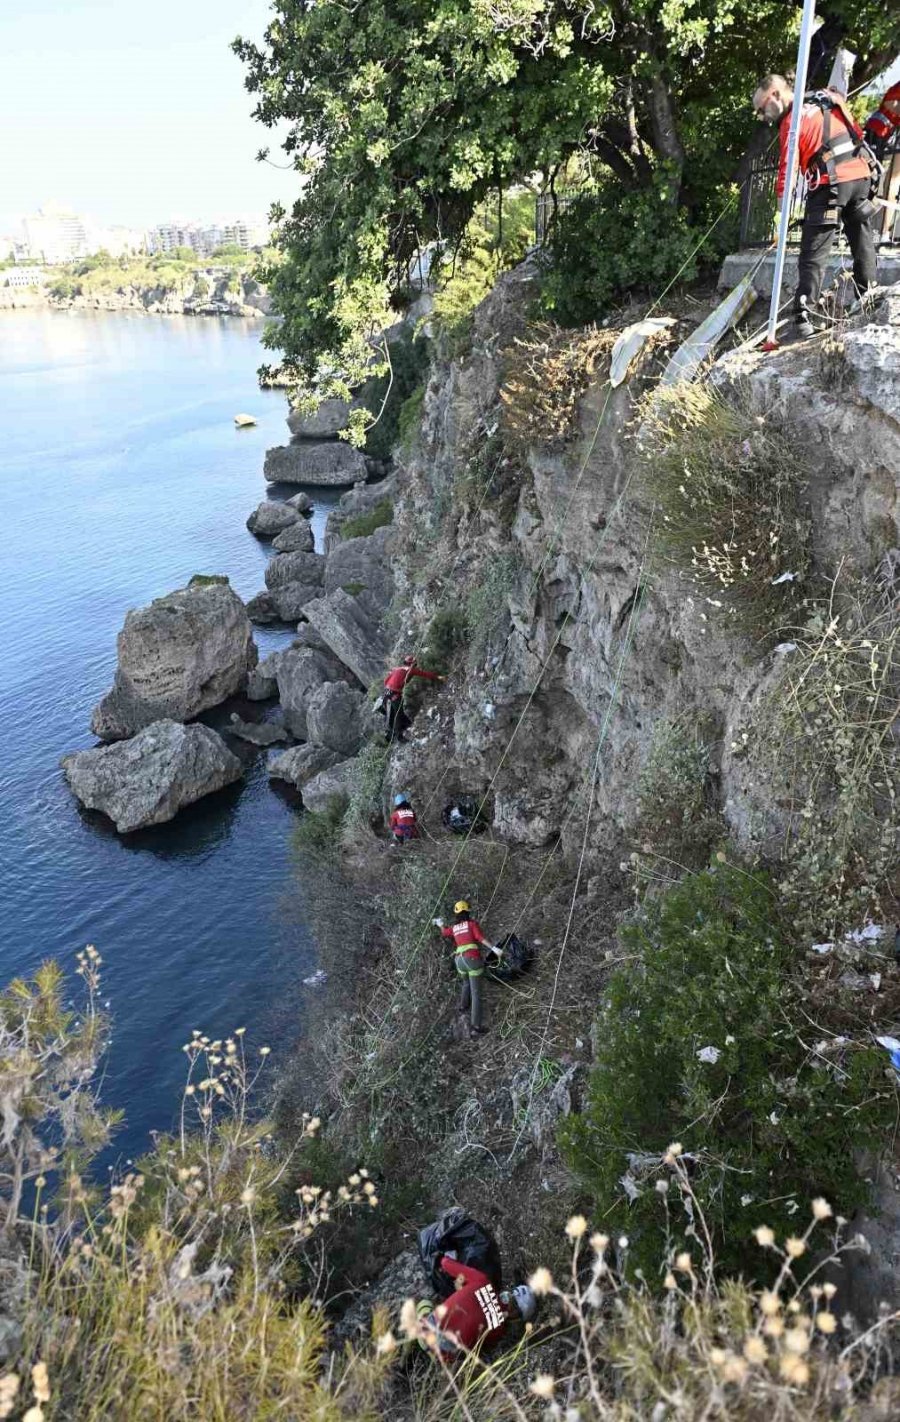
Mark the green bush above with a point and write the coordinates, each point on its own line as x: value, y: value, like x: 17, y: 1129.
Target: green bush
x: 486, y: 602
x: 768, y: 1125
x: 612, y: 242
x: 448, y: 630
x: 409, y: 356
x: 484, y: 252
x: 674, y: 816
x: 208, y: 580
x: 364, y: 524
x: 410, y: 417
x: 320, y: 829
x: 365, y: 796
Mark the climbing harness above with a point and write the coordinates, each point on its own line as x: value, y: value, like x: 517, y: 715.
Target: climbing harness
x: 838, y: 148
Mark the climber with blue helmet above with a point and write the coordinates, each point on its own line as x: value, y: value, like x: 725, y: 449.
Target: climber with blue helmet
x: 404, y: 826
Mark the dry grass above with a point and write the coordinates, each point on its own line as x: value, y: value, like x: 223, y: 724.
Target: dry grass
x: 728, y: 487
x: 545, y: 376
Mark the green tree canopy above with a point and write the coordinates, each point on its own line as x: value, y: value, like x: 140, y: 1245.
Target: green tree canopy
x: 404, y: 114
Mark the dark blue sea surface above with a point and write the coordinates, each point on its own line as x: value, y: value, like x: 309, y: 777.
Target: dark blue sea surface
x: 121, y: 475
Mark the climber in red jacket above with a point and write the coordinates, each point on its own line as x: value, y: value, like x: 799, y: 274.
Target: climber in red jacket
x: 404, y: 826
x: 884, y: 123
x: 470, y: 950
x: 395, y: 683
x: 475, y: 1314
x: 833, y: 159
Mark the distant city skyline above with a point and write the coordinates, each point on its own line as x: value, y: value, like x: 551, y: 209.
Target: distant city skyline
x: 133, y: 116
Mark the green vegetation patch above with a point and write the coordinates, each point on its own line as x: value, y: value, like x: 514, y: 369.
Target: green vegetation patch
x: 362, y: 525
x: 385, y: 396
x: 702, y: 1041
x: 206, y: 580
x: 410, y: 418
x: 320, y: 830
x: 594, y: 264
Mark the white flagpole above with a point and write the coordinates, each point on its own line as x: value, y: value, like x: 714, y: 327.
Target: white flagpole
x: 806, y: 33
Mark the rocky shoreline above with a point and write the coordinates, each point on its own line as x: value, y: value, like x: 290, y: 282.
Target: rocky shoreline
x: 192, y: 650
x: 209, y: 292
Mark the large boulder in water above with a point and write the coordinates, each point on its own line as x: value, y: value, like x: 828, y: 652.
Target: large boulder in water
x: 301, y: 763
x: 336, y: 783
x: 262, y: 683
x: 328, y: 463
x: 148, y: 779
x: 293, y: 580
x: 179, y: 656
x: 362, y: 567
x: 296, y: 538
x: 326, y: 421
x: 334, y: 717
x: 261, y: 609
x: 352, y: 633
x: 299, y: 673
x: 269, y: 519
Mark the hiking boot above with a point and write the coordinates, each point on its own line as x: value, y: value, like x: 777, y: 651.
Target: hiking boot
x: 477, y: 1031
x: 803, y: 327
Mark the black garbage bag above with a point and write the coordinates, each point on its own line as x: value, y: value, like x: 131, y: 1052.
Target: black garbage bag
x: 517, y: 958
x: 455, y: 1232
x: 461, y: 816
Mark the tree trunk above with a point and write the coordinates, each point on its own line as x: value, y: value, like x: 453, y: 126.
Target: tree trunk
x: 666, y: 140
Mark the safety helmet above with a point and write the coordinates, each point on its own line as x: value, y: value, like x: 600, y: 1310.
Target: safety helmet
x: 400, y: 799
x: 461, y: 906
x: 409, y: 661
x: 526, y: 1301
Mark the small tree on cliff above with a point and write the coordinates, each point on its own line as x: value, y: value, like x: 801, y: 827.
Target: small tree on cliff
x: 404, y: 114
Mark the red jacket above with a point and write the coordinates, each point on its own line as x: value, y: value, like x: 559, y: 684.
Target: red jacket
x: 403, y: 823
x: 466, y: 936
x: 396, y: 680
x: 472, y: 1314
x: 886, y: 119
x: 812, y: 121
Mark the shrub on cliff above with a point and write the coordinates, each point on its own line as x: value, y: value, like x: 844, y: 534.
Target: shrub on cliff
x: 165, y: 1295
x: 731, y: 514
x: 592, y: 266
x: 702, y: 1039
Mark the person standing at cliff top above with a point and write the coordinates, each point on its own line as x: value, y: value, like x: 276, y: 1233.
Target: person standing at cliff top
x: 395, y: 683
x: 839, y: 170
x: 470, y: 949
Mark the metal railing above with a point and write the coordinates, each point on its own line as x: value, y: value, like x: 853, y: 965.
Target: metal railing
x: 759, y: 205
x: 547, y: 207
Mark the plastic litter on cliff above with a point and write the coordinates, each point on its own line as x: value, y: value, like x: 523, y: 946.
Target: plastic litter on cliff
x: 463, y: 1238
x: 461, y: 816
x: 892, y: 1046
x: 516, y: 959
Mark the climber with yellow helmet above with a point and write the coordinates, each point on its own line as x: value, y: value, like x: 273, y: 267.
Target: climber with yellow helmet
x: 470, y: 949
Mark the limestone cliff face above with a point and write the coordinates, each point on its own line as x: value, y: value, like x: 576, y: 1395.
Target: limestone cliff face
x: 588, y: 645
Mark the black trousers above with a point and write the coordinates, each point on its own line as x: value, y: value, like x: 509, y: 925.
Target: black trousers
x: 824, y: 208
x: 397, y: 720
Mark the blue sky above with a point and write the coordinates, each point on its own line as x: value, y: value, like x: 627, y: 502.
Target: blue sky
x: 131, y: 112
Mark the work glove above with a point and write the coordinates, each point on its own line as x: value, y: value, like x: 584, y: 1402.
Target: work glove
x: 438, y: 922
x: 495, y: 948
